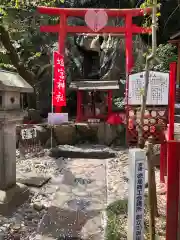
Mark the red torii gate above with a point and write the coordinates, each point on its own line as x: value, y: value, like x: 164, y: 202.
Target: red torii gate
x: 128, y: 30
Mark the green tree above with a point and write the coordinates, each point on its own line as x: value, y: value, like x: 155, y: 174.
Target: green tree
x: 25, y: 50
x: 166, y: 54
x: 168, y: 18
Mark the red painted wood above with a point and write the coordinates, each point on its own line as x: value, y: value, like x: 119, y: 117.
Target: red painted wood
x: 172, y: 190
x: 129, y: 56
x: 129, y: 44
x: 108, y: 29
x: 172, y: 85
x: 80, y: 12
x: 62, y: 33
x: 49, y: 28
x: 83, y: 29
x: 163, y: 161
x: 173, y: 153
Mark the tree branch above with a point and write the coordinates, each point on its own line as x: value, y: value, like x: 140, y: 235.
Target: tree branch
x: 29, y: 76
x: 42, y: 69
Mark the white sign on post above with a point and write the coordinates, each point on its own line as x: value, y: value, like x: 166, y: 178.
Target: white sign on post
x: 137, y: 158
x: 158, y: 89
x: 57, y: 118
x: 28, y: 133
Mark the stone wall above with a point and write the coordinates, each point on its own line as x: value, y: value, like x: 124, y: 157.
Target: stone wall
x: 72, y: 134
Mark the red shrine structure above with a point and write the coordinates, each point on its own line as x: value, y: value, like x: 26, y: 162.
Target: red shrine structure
x: 128, y: 30
x: 88, y: 109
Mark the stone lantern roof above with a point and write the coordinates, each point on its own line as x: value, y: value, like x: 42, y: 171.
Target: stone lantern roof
x: 10, y: 81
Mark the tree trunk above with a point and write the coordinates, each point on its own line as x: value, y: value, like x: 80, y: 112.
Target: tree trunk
x: 14, y: 58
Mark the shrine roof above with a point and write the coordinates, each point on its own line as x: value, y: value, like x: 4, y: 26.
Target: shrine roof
x: 14, y: 82
x: 95, y: 85
x: 175, y: 36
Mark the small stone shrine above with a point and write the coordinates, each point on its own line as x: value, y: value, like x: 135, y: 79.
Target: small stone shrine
x: 12, y: 86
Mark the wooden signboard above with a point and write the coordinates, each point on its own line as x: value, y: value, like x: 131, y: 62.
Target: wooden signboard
x: 29, y: 143
x: 158, y: 89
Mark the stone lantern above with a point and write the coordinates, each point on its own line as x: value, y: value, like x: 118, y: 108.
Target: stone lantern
x: 11, y: 87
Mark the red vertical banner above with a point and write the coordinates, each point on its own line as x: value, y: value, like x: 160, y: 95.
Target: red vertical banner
x: 59, y: 81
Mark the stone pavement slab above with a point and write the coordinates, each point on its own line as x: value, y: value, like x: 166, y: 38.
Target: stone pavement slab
x: 77, y: 209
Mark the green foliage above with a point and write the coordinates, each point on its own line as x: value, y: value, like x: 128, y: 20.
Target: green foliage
x: 148, y: 18
x: 20, y: 20
x: 168, y: 19
x: 34, y: 48
x: 114, y: 212
x: 166, y: 54
x: 149, y: 3
x: 118, y: 103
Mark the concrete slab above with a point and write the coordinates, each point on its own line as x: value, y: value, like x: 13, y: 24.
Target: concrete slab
x: 12, y: 198
x: 34, y: 181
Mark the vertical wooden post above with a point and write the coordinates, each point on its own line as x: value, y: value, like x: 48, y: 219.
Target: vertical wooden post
x: 61, y: 42
x: 93, y: 109
x: 62, y: 33
x: 152, y: 201
x: 172, y: 85
x: 79, y: 102
x: 172, y: 190
x: 110, y: 95
x: 163, y: 161
x: 129, y: 44
x: 129, y: 56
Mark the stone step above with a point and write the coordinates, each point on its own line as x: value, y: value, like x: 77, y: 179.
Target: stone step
x: 177, y: 109
x: 68, y: 151
x: 177, y: 118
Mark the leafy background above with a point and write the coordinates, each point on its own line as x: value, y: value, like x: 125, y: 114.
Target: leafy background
x: 23, y: 48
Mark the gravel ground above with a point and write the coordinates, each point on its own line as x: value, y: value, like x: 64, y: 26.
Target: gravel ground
x: 25, y: 221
